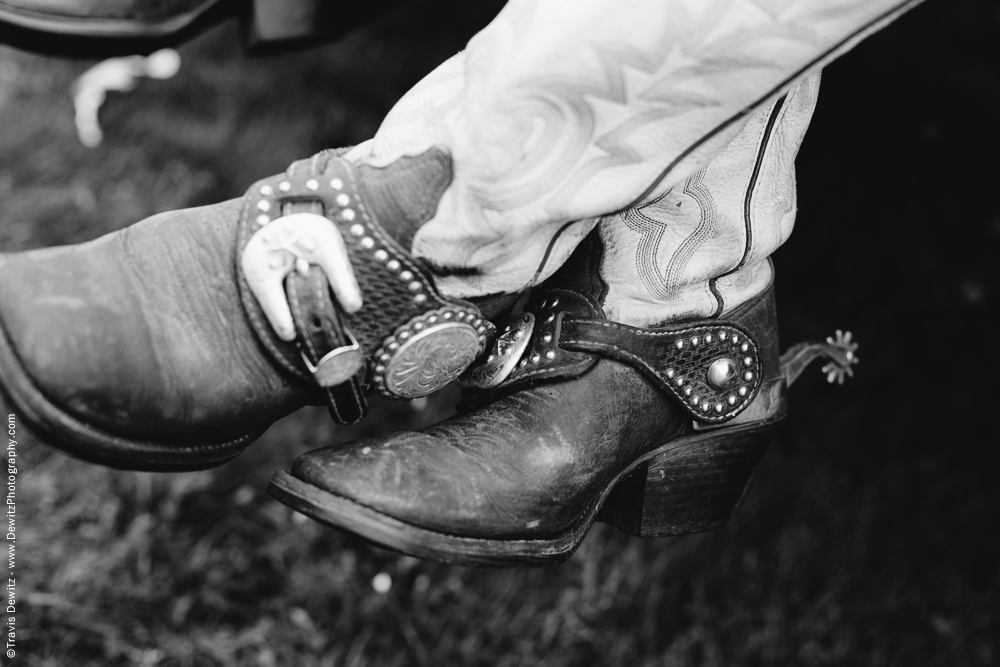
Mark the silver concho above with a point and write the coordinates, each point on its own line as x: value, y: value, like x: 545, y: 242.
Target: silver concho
x: 428, y: 352
x: 503, y: 358
x: 338, y: 365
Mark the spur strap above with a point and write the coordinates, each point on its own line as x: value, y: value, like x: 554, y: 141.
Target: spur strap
x: 406, y: 341
x: 713, y: 369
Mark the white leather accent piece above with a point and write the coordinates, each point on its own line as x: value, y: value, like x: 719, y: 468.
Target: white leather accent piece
x: 274, y: 251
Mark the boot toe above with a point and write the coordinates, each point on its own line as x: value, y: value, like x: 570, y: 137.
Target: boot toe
x: 425, y: 481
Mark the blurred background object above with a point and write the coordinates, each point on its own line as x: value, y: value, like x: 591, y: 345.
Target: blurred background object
x: 107, y: 28
x: 867, y: 537
x: 91, y: 88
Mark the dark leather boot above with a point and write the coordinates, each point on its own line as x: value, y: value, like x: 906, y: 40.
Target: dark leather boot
x: 145, y: 349
x: 656, y: 431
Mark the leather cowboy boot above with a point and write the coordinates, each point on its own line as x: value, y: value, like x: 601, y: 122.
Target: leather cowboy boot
x: 147, y: 348
x: 624, y: 393
x: 131, y: 21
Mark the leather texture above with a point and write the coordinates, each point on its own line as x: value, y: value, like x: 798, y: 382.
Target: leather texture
x: 527, y: 463
x: 132, y: 349
x: 141, y: 332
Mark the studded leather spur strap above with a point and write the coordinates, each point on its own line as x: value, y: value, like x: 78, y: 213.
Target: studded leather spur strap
x: 406, y: 341
x: 712, y: 368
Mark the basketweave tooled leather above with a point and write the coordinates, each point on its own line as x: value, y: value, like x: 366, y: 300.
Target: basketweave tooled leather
x: 397, y: 290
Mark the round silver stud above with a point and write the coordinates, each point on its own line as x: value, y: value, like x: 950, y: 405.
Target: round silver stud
x: 392, y: 265
x: 742, y: 391
x: 381, y: 255
x: 550, y: 354
x: 695, y: 341
x: 747, y: 361
x: 708, y: 338
x: 476, y: 322
x: 267, y: 190
x: 481, y: 329
x: 748, y: 376
x: 535, y: 358
x: 460, y: 316
x: 284, y: 186
x: 524, y: 362
x: 343, y: 199
x: 718, y: 407
x: 695, y: 401
x: 687, y: 392
x: 547, y: 338
x: 385, y: 357
x: 680, y: 345
x: 705, y: 406
x: 357, y: 230
x: 347, y: 214
x: 393, y: 346
x: 722, y: 372
x: 670, y: 373
x: 336, y: 184
x: 367, y: 243
x: 736, y: 339
x: 415, y: 286
x: 420, y: 298
x: 744, y: 347
x: 447, y: 315
x: 312, y: 184
x: 264, y: 205
x: 679, y: 382
x: 403, y: 335
x: 723, y: 336
x: 490, y: 359
x: 405, y: 275
x: 432, y: 319
x: 417, y: 326
x: 263, y: 219
x: 731, y: 400
x: 380, y: 368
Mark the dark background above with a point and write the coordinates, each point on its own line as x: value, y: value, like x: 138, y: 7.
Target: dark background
x: 869, y: 536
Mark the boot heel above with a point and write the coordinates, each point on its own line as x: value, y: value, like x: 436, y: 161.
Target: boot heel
x: 692, y: 485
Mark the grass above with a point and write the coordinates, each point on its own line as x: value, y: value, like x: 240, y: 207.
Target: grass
x: 869, y: 536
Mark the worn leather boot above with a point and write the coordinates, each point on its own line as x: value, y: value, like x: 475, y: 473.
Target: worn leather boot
x: 654, y: 430
x: 640, y: 387
x: 146, y: 348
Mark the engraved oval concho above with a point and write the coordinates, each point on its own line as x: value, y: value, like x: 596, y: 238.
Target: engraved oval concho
x: 502, y: 359
x: 428, y: 352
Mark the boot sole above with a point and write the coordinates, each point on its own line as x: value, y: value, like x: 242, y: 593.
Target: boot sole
x: 62, y: 430
x: 690, y: 484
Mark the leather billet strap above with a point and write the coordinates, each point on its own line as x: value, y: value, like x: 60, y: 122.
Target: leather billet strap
x: 413, y: 340
x: 712, y: 368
